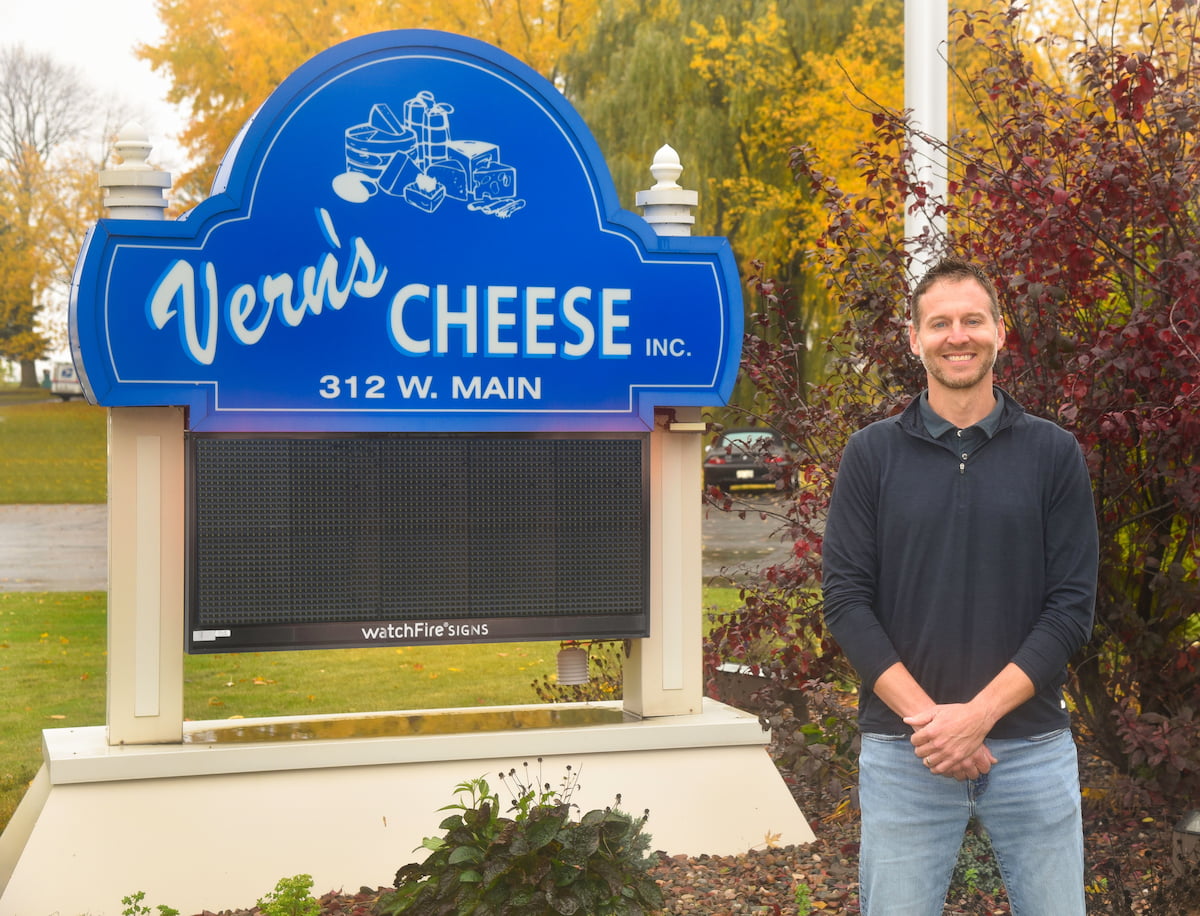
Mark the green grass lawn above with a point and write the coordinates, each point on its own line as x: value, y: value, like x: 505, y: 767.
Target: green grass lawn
x: 54, y: 451
x: 52, y: 657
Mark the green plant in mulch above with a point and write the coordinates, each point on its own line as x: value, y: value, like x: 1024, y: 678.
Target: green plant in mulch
x: 291, y: 898
x: 135, y: 906
x: 976, y: 871
x: 541, y: 860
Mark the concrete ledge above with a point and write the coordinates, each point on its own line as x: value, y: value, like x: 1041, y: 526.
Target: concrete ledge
x: 81, y: 755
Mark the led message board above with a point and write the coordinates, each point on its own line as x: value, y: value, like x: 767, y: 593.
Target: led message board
x: 415, y: 232
x: 411, y: 539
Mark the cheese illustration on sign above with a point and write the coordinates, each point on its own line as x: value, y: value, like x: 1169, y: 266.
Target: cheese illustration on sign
x: 415, y: 232
x: 415, y: 159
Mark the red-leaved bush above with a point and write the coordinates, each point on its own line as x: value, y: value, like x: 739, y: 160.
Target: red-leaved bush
x: 1080, y: 194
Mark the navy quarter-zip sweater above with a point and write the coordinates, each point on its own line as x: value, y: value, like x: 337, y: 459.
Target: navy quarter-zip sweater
x: 957, y: 567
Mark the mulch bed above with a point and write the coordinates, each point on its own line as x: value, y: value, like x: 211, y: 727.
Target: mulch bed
x: 1128, y: 860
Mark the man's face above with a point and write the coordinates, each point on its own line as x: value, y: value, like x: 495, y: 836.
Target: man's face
x: 957, y: 338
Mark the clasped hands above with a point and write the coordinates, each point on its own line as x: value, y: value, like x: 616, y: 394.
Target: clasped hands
x: 949, y: 739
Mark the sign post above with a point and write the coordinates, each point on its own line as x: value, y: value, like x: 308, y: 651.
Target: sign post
x: 144, y: 699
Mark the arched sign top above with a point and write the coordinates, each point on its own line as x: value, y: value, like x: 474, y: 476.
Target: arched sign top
x: 414, y: 232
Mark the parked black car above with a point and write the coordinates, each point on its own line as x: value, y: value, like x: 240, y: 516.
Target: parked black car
x: 754, y: 457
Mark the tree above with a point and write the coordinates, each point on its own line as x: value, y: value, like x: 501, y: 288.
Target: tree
x: 731, y: 86
x: 19, y: 266
x: 225, y: 57
x: 1079, y: 193
x: 43, y: 106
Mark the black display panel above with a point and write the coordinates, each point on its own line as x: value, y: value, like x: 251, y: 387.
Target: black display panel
x: 375, y: 540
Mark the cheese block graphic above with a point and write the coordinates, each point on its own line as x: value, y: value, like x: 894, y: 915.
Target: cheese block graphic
x: 369, y: 151
x: 413, y: 156
x: 495, y: 180
x: 425, y: 193
x: 452, y: 177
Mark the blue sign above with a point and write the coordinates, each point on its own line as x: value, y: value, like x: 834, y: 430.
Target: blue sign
x: 415, y: 232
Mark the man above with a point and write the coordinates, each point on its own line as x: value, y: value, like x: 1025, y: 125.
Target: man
x: 960, y: 564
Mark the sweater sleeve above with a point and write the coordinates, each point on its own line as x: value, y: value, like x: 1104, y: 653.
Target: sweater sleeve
x: 1071, y: 566
x: 850, y: 566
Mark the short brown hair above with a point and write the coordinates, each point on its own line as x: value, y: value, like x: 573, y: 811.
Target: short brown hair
x: 953, y: 269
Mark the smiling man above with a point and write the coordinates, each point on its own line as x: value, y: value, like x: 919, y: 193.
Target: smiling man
x: 960, y: 561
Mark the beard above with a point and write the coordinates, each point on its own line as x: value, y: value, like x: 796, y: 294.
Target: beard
x: 937, y: 371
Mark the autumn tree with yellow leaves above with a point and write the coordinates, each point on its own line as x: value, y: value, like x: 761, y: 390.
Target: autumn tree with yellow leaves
x: 44, y: 108
x: 732, y: 86
x: 225, y: 57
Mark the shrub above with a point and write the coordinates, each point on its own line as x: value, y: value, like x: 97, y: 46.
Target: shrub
x: 820, y: 750
x: 291, y: 898
x: 1164, y: 751
x: 538, y: 862
x: 134, y: 906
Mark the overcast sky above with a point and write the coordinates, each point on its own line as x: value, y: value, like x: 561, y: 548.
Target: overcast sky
x: 98, y: 37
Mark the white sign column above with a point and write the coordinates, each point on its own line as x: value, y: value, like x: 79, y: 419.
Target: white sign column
x: 663, y: 674
x: 145, y: 517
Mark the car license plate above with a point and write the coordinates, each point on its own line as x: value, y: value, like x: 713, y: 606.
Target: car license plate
x: 747, y: 474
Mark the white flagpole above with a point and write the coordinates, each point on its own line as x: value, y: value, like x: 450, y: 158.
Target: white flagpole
x: 926, y: 25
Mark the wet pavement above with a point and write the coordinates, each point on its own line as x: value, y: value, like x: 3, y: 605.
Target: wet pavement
x: 64, y: 548
x: 53, y: 548
x: 737, y: 545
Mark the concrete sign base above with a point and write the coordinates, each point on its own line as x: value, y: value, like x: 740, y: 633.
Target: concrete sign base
x: 212, y: 824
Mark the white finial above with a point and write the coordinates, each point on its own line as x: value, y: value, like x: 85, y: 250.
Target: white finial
x: 133, y: 146
x: 666, y: 206
x: 666, y: 168
x: 133, y: 189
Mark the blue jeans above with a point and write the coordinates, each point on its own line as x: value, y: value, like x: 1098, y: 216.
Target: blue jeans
x: 913, y: 824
